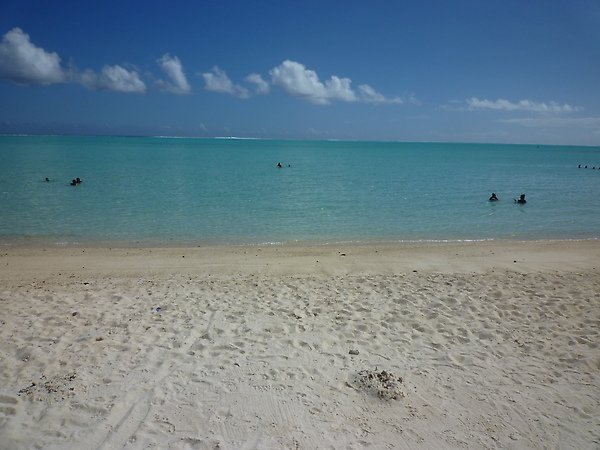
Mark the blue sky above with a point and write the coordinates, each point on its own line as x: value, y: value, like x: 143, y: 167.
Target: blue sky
x: 511, y: 71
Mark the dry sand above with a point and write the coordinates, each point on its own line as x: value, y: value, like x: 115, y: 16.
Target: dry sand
x: 483, y: 345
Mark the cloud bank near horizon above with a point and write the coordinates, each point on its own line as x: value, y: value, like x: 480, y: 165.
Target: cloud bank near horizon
x: 475, y: 103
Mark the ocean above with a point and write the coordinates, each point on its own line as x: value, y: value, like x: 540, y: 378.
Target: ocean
x: 187, y: 191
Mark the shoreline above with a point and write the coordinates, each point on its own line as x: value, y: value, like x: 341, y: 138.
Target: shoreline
x: 42, y: 242
x: 385, y: 258
x: 471, y: 345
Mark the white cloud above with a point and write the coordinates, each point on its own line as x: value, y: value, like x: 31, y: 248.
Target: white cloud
x: 297, y: 80
x: 113, y: 78
x: 340, y: 89
x: 475, y: 103
x: 261, y: 86
x: 217, y: 81
x: 556, y: 122
x: 301, y: 82
x: 172, y: 67
x: 370, y: 95
x: 23, y: 63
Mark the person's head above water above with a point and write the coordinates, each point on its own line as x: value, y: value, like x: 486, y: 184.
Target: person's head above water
x: 493, y: 197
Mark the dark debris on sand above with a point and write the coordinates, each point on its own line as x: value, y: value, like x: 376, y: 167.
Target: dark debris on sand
x: 384, y: 384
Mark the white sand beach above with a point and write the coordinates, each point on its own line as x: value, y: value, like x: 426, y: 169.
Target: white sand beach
x: 471, y: 345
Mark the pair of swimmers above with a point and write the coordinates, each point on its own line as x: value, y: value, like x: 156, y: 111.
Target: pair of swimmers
x: 521, y: 199
x: 74, y: 181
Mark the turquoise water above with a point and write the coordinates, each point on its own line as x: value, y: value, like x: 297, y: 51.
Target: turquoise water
x: 200, y: 191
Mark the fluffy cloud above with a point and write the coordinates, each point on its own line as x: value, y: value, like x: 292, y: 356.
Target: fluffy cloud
x: 475, y: 103
x: 295, y: 79
x: 23, y: 63
x: 301, y: 82
x: 370, y: 95
x: 298, y: 81
x: 113, y: 78
x: 217, y: 81
x: 260, y: 85
x: 172, y: 67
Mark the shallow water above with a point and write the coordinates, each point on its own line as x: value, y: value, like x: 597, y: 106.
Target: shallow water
x: 162, y: 190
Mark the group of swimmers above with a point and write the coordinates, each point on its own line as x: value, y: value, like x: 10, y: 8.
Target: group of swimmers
x: 593, y: 168
x: 520, y: 201
x: 74, y: 181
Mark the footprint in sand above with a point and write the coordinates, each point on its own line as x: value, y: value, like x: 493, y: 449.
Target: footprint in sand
x: 7, y: 406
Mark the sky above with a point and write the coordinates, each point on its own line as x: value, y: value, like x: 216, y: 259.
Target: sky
x: 504, y: 71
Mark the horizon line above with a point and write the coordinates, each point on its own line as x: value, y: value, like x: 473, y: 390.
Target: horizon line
x: 150, y: 136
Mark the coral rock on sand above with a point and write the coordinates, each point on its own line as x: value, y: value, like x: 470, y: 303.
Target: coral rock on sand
x: 384, y: 384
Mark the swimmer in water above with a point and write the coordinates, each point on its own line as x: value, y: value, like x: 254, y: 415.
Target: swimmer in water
x: 521, y: 200
x: 493, y: 198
